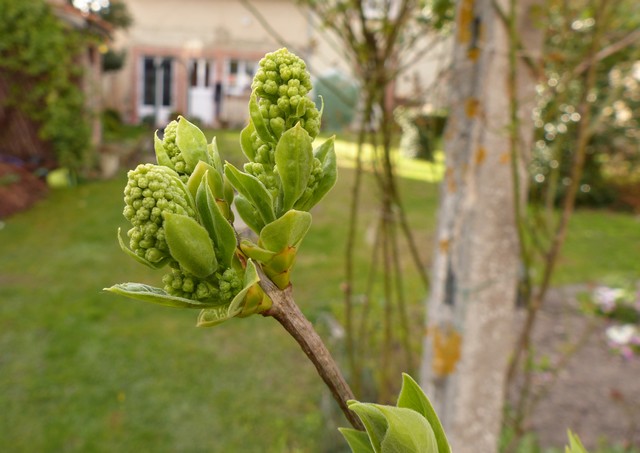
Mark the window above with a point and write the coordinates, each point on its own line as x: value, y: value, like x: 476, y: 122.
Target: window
x: 239, y: 76
x: 157, y: 81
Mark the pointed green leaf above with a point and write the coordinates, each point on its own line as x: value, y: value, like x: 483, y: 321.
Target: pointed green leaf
x: 205, y: 206
x: 250, y: 278
x: 154, y: 295
x: 287, y: 231
x: 246, y: 143
x: 216, y: 184
x: 407, y: 431
x: 196, y: 179
x: 301, y: 108
x: 259, y: 122
x: 256, y: 253
x: 374, y: 422
x: 189, y: 244
x: 139, y: 259
x: 293, y: 157
x: 357, y: 440
x: 327, y: 155
x: 210, y: 317
x: 412, y: 397
x: 214, y: 155
x: 218, y: 227
x: 252, y: 190
x: 227, y: 191
x: 191, y: 142
x: 161, y: 154
x: 575, y: 444
x: 325, y: 148
x: 249, y: 214
x: 321, y: 108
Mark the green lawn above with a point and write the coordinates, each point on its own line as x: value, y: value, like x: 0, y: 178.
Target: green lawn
x: 82, y: 370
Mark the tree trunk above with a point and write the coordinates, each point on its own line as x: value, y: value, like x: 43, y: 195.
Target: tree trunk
x: 475, y: 269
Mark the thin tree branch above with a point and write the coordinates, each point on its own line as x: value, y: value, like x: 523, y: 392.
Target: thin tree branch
x: 286, y: 312
x: 611, y: 49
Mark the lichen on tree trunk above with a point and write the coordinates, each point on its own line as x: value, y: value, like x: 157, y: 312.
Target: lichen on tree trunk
x: 475, y: 267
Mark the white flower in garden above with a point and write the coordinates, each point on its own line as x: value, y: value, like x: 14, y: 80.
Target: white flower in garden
x: 620, y: 335
x: 606, y: 297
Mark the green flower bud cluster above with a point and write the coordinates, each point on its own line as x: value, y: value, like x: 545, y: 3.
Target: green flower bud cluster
x: 173, y: 151
x: 230, y: 284
x: 223, y: 286
x: 182, y: 284
x: 151, y: 191
x: 180, y: 215
x: 279, y: 101
x: 282, y: 83
x: 180, y: 209
x: 284, y: 170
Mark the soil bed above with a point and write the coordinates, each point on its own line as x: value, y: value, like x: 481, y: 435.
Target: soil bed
x: 597, y: 395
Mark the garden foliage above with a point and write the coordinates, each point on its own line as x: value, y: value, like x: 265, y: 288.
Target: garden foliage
x: 39, y: 57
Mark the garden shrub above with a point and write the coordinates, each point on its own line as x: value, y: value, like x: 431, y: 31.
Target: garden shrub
x: 39, y: 57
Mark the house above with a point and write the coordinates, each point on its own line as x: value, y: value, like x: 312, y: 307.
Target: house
x: 198, y: 57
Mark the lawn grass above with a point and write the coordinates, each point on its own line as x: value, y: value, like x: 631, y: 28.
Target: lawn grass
x: 82, y: 370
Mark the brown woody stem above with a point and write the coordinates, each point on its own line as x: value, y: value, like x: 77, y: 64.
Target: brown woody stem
x: 287, y: 313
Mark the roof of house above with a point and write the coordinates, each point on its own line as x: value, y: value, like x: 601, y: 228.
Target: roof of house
x: 79, y: 20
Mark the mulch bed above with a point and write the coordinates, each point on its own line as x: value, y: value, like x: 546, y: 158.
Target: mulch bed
x: 19, y: 189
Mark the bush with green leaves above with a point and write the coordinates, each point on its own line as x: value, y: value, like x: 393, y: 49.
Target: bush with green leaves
x: 39, y: 59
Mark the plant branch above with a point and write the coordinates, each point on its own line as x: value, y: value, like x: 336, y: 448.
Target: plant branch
x: 287, y: 313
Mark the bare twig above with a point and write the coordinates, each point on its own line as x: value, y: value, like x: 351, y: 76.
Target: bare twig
x: 611, y: 49
x: 287, y: 313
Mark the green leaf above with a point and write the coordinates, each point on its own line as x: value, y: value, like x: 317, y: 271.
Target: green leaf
x: 407, y: 431
x: 154, y: 295
x: 321, y: 108
x: 250, y: 278
x: 374, y: 422
x: 357, y: 440
x: 253, y: 190
x: 575, y: 444
x: 258, y: 121
x: 293, y: 157
x: 287, y: 231
x: 218, y: 227
x: 412, y: 397
x: 140, y: 259
x: 256, y: 253
x: 246, y: 143
x: 196, y: 179
x: 249, y: 214
x: 327, y: 155
x: 210, y: 317
x: 327, y: 147
x: 161, y: 154
x: 301, y: 108
x: 189, y: 244
x: 191, y: 142
x: 214, y: 155
x: 227, y: 191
